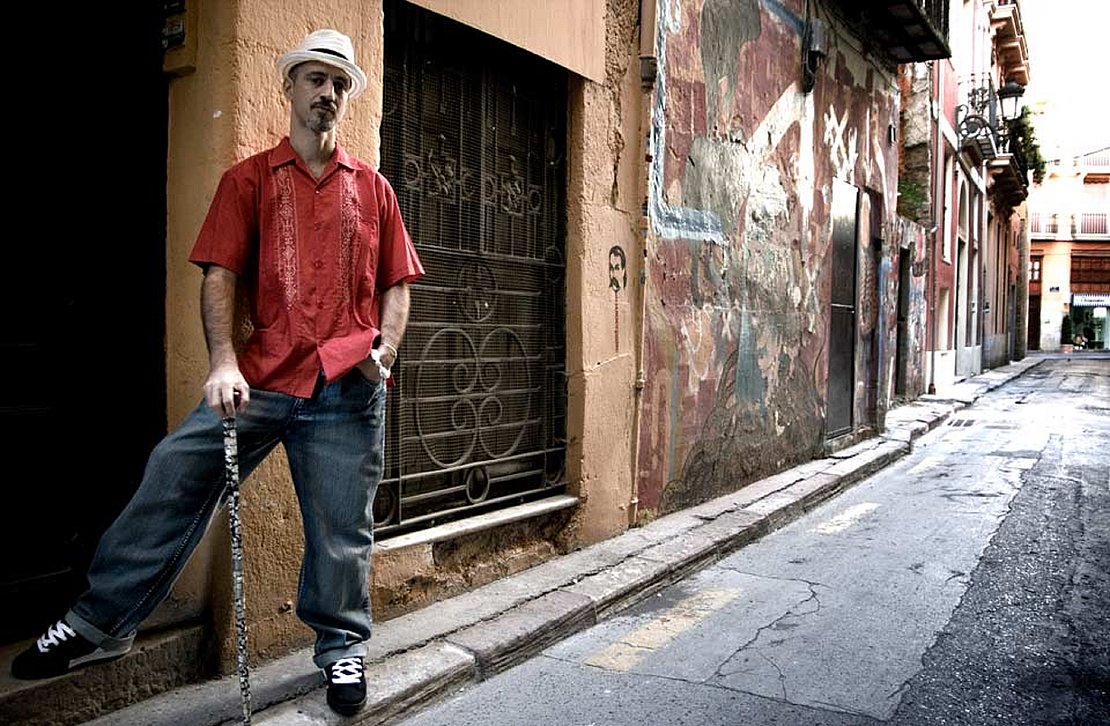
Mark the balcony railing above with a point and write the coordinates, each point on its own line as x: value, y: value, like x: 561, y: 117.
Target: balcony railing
x: 1041, y: 223
x: 1082, y: 225
x: 1092, y: 224
x: 1097, y: 162
x: 1011, y: 49
x: 979, y: 122
x: 907, y: 30
x: 986, y: 137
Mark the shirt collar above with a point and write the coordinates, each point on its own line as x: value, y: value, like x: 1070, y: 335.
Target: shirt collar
x: 284, y: 153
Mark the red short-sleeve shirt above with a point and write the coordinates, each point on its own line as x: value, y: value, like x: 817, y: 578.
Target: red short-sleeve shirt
x: 314, y: 255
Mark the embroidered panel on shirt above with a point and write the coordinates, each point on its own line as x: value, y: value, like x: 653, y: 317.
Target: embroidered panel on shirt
x: 285, y: 225
x: 348, y: 225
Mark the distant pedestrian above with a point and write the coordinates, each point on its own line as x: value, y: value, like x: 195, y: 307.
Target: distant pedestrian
x: 315, y: 239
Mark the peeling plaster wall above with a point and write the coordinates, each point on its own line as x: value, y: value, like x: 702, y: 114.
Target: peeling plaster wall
x: 738, y: 270
x: 912, y: 239
x: 915, y: 173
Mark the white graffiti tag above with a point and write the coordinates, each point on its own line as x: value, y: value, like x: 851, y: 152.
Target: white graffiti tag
x: 843, y: 153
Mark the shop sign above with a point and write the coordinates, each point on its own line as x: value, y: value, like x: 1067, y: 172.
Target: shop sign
x: 1091, y: 299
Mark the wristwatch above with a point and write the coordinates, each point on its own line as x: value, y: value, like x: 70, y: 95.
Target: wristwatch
x: 376, y: 356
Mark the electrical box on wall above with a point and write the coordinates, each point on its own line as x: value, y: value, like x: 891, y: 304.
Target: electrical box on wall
x: 179, y: 37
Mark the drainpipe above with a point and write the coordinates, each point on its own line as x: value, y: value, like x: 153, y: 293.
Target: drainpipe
x: 648, y: 73
x: 1021, y: 318
x: 934, y: 93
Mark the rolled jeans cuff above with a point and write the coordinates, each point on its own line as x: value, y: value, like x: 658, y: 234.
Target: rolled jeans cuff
x: 95, y: 635
x: 323, y: 660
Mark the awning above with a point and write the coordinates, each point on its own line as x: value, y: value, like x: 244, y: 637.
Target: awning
x: 1091, y: 299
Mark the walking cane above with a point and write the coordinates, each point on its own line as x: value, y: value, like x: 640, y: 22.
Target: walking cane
x: 231, y: 476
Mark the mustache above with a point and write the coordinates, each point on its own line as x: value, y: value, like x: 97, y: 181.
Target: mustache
x: 327, y: 105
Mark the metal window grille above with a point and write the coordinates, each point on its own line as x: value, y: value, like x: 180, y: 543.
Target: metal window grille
x: 473, y: 142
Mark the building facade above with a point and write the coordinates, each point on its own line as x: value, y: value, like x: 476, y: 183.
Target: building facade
x: 1069, y: 255
x: 966, y: 180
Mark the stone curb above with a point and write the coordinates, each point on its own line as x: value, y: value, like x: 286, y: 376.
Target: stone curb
x: 422, y: 657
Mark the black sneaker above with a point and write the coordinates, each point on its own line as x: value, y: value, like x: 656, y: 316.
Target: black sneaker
x: 346, y: 685
x: 60, y: 650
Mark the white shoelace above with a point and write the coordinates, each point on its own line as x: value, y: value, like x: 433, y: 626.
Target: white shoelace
x: 346, y: 670
x: 57, y: 633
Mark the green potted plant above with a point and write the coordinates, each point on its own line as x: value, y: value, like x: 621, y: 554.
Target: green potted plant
x: 1066, y: 334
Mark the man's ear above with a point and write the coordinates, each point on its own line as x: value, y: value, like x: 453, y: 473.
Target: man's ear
x: 287, y: 87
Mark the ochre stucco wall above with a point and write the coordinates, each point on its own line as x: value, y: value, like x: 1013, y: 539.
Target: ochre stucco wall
x: 604, y: 201
x: 570, y: 33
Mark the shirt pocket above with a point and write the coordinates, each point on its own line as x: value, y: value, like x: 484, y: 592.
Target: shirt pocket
x: 365, y: 302
x: 275, y: 288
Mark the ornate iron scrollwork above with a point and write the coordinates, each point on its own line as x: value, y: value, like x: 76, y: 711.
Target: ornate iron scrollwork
x: 475, y: 146
x: 978, y: 124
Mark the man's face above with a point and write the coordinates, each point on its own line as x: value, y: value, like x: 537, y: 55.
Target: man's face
x: 617, y: 278
x: 318, y: 93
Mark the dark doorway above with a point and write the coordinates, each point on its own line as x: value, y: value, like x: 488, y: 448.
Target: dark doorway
x: 82, y: 397
x: 871, y: 344
x: 1033, y: 341
x: 1011, y: 322
x: 902, y: 357
x: 842, y: 315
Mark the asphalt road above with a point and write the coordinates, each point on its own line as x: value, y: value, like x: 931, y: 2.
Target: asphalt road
x: 966, y: 584
x: 1030, y: 641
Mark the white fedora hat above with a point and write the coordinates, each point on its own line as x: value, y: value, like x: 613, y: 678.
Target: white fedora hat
x: 330, y: 47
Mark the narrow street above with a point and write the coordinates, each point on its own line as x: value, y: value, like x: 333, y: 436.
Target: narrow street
x: 966, y: 584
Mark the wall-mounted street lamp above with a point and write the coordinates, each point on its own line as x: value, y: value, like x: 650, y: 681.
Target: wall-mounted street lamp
x: 984, y: 122
x: 1010, y: 97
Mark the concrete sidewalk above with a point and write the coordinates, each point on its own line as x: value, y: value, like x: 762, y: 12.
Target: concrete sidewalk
x: 428, y: 654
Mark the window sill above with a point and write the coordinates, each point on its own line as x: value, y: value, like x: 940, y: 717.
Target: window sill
x: 490, y: 520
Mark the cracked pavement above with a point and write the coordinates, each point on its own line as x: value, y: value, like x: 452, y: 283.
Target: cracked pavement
x: 929, y: 593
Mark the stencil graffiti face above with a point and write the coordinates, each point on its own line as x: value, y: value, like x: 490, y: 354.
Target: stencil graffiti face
x: 618, y: 272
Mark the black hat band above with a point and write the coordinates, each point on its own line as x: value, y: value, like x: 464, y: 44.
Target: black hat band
x: 329, y: 51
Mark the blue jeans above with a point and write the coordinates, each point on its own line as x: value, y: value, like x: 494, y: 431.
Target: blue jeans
x: 334, y: 442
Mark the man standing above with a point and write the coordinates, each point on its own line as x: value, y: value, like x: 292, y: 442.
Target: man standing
x: 315, y: 239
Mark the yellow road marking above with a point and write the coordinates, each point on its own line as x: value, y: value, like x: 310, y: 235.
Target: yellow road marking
x: 642, y: 642
x: 845, y: 519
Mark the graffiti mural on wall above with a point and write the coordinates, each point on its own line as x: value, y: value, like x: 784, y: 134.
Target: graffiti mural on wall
x: 741, y: 165
x: 843, y: 145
